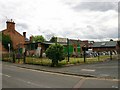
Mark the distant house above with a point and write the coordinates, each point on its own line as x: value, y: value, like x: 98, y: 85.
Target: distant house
x: 76, y: 47
x: 17, y: 39
x: 104, y: 46
x: 38, y: 48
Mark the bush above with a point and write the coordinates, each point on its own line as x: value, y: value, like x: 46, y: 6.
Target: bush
x: 55, y: 53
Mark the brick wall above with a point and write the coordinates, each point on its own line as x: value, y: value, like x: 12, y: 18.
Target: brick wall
x: 17, y: 39
x: 104, y: 49
x: 2, y: 49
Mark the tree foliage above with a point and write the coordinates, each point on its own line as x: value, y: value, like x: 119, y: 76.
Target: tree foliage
x: 111, y: 39
x: 53, y: 39
x: 0, y: 36
x: 55, y: 52
x: 5, y: 40
x: 38, y: 38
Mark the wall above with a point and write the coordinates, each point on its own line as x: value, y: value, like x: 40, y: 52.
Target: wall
x: 17, y: 39
x: 104, y: 49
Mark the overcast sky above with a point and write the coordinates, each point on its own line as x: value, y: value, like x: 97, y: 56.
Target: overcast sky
x: 72, y: 19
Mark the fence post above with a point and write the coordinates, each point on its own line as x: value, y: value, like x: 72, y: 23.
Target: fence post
x: 84, y: 53
x: 68, y: 49
x: 98, y: 56
x: 9, y: 49
x: 13, y: 57
x: 110, y: 55
x: 24, y: 55
x: 24, y: 59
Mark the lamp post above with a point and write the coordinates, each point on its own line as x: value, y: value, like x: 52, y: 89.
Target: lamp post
x: 9, y: 49
x: 84, y: 48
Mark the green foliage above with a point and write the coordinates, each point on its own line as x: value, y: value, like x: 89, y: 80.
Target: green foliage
x: 0, y: 36
x: 53, y: 39
x: 5, y: 40
x: 55, y: 52
x: 38, y: 38
x: 111, y: 39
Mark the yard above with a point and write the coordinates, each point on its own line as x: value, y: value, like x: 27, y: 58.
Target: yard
x: 47, y: 62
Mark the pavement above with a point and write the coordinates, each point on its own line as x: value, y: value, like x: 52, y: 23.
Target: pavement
x: 107, y: 69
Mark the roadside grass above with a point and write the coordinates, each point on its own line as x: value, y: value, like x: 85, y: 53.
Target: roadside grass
x: 38, y: 61
x: 47, y: 62
x: 87, y: 60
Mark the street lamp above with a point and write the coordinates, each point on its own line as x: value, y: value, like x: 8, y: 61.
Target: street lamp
x: 9, y: 49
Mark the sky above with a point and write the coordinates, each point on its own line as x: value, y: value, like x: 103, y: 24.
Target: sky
x: 74, y: 19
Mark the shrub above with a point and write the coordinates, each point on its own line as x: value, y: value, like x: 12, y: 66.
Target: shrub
x: 55, y: 53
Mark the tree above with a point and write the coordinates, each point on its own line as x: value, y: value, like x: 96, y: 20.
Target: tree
x: 111, y: 39
x: 0, y: 36
x: 53, y: 39
x: 5, y: 40
x: 38, y: 38
x: 55, y: 52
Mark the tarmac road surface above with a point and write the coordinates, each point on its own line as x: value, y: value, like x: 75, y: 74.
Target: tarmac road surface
x: 16, y: 77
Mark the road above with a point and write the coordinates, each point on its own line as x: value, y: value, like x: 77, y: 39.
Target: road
x: 16, y: 77
x: 108, y: 69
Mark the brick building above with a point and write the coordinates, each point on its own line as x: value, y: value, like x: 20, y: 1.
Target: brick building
x: 104, y: 46
x: 17, y: 39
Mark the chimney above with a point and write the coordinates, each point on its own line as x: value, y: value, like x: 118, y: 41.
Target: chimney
x: 24, y: 34
x: 10, y: 25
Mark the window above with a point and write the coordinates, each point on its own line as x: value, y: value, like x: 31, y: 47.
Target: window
x: 103, y: 44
